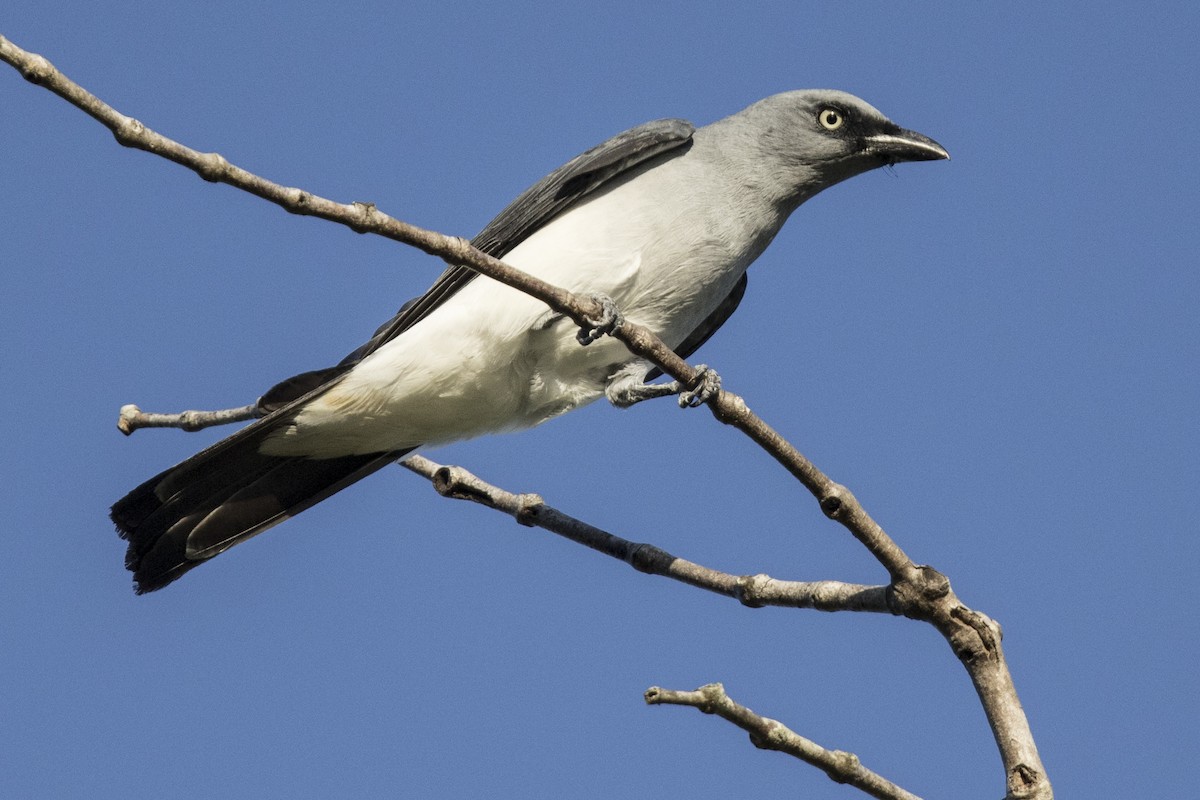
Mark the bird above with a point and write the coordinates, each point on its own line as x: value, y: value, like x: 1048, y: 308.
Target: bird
x: 662, y: 221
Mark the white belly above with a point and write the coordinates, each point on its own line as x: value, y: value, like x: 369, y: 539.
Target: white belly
x: 492, y: 359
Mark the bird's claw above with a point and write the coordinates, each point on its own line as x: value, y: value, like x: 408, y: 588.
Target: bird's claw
x: 607, y: 322
x: 707, y: 387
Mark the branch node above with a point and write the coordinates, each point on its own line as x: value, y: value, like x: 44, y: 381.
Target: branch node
x: 128, y: 132
x: 212, y: 167
x: 452, y: 482
x: 367, y: 213
x: 986, y: 629
x: 713, y: 695
x: 748, y: 589
x: 933, y: 584
x: 528, y: 507
x: 190, y: 421
x: 835, y: 500
x: 917, y: 593
x: 844, y: 766
x: 649, y: 559
x: 300, y: 201
x: 37, y: 69
x: 729, y: 408
x: 775, y: 736
x: 1023, y: 780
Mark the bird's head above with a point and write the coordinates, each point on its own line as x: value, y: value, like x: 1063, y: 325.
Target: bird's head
x: 820, y: 137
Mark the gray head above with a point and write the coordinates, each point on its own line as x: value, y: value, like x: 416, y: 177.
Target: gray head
x: 814, y: 138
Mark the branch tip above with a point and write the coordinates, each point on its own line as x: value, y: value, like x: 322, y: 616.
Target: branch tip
x: 127, y: 419
x: 769, y: 734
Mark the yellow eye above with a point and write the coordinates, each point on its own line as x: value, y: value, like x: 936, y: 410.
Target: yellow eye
x: 831, y: 119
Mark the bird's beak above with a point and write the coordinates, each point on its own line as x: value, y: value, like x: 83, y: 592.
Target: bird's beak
x: 904, y: 145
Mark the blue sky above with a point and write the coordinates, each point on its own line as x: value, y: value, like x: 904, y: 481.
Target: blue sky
x: 997, y: 354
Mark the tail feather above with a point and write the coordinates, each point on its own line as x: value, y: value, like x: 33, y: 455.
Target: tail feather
x: 151, y: 510
x: 221, y: 496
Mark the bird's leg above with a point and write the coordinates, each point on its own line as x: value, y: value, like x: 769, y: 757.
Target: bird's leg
x: 131, y: 418
x: 610, y: 317
x: 628, y: 388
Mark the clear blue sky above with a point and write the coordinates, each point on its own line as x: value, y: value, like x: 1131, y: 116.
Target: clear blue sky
x: 998, y: 354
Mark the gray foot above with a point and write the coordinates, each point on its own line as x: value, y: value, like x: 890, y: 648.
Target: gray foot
x: 707, y: 387
x: 627, y: 388
x: 610, y: 317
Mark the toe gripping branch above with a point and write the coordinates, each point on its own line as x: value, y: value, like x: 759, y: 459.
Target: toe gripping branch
x: 628, y: 390
x: 603, y: 325
x: 706, y: 388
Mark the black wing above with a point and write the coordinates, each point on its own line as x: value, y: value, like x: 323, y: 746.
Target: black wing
x: 534, y: 208
x: 709, y: 326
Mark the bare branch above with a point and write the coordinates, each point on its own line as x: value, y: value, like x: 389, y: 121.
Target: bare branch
x: 751, y: 590
x: 131, y: 418
x: 770, y: 734
x: 974, y: 638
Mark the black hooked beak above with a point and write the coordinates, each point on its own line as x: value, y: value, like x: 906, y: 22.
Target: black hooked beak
x: 899, y: 145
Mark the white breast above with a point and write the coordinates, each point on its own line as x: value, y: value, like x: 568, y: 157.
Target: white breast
x: 492, y: 359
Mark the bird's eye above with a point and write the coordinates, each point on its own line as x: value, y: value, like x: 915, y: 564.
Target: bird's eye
x: 831, y: 119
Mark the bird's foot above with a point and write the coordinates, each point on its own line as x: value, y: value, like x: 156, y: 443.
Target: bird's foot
x: 607, y: 322
x: 706, y: 388
x: 628, y: 389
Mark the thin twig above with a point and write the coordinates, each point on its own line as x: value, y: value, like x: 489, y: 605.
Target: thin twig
x: 751, y: 590
x: 131, y: 418
x: 769, y: 734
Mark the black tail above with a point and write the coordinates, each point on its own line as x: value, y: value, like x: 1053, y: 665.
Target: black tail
x: 224, y: 495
